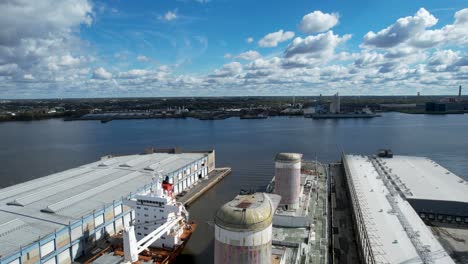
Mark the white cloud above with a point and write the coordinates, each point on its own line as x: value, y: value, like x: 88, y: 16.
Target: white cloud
x: 133, y: 74
x: 446, y: 60
x: 413, y: 32
x: 249, y: 55
x: 227, y: 55
x: 273, y: 39
x: 317, y: 46
x: 28, y: 77
x: 39, y: 39
x: 452, y: 34
x: 228, y: 70
x: 169, y: 16
x: 369, y: 59
x: 318, y: 22
x: 8, y: 69
x: 56, y: 63
x: 400, y: 32
x: 249, y: 40
x: 142, y: 58
x: 101, y: 74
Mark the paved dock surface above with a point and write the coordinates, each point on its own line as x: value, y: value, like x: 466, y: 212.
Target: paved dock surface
x: 344, y: 244
x: 454, y: 239
x: 203, y: 186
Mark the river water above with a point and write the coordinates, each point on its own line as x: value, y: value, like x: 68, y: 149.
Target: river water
x: 33, y: 149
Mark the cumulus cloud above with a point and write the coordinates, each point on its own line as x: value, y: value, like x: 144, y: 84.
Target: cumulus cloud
x: 38, y: 39
x: 273, y: 39
x: 401, y: 31
x: 414, y: 32
x: 169, y: 16
x: 369, y: 59
x: 8, y: 69
x: 447, y: 60
x: 318, y: 22
x: 28, y: 77
x: 132, y: 74
x: 142, y: 58
x: 452, y: 34
x: 227, y: 56
x: 416, y: 57
x: 316, y: 46
x: 249, y: 55
x: 228, y: 70
x: 101, y: 74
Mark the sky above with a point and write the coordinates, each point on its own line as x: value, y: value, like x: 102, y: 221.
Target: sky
x: 162, y: 48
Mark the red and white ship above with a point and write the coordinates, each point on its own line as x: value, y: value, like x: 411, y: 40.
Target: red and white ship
x: 159, y: 231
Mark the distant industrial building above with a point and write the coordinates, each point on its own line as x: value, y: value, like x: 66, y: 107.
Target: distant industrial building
x: 389, y: 229
x: 335, y: 105
x: 57, y: 218
x: 447, y: 104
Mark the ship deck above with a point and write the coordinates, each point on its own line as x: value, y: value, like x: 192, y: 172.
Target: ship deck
x: 112, y: 252
x: 311, y: 241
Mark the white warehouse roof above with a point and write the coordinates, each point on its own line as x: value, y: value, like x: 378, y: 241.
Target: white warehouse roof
x: 38, y: 207
x: 425, y: 179
x: 395, y: 231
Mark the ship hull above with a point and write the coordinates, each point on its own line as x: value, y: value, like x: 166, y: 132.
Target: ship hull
x: 339, y: 116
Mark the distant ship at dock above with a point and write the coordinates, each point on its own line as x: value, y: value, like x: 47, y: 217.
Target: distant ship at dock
x: 335, y: 112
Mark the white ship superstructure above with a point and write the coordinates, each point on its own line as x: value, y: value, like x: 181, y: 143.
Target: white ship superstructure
x: 155, y: 209
x: 157, y: 234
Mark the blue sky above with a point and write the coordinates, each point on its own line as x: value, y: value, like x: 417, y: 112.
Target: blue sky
x: 126, y: 27
x: 86, y: 48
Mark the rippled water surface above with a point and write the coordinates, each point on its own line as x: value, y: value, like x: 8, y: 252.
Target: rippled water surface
x: 33, y: 149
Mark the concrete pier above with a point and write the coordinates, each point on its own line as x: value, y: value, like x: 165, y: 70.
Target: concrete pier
x: 201, y: 187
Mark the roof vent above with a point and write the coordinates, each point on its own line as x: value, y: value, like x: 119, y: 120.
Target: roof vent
x: 16, y: 203
x: 125, y: 165
x: 48, y: 210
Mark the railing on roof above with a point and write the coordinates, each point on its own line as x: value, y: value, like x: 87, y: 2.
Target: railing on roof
x: 359, y: 216
x: 422, y: 250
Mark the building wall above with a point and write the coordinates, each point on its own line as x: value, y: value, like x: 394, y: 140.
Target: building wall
x: 448, y: 212
x: 69, y: 243
x: 211, y: 161
x: 189, y: 175
x: 72, y: 241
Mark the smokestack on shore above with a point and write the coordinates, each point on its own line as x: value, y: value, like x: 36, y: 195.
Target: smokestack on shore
x: 459, y: 91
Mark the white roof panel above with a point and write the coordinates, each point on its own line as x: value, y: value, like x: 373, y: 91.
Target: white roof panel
x: 425, y: 179
x: 390, y: 240
x: 38, y: 207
